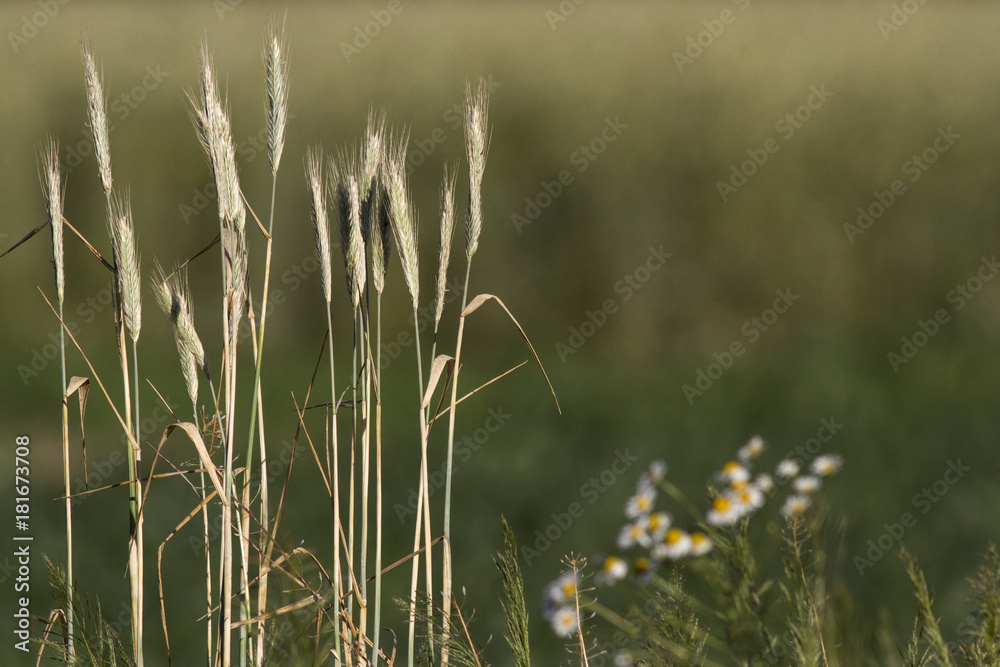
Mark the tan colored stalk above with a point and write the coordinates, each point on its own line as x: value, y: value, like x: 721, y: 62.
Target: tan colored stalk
x: 321, y: 227
x: 98, y: 117
x: 276, y: 80
x: 51, y: 178
x: 477, y: 146
x: 216, y: 137
x: 404, y: 231
x: 380, y: 242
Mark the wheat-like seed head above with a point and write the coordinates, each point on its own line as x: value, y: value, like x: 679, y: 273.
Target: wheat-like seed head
x: 126, y: 257
x: 381, y: 243
x: 174, y: 297
x: 371, y: 158
x: 217, y: 139
x: 51, y: 177
x: 401, y: 215
x: 98, y: 116
x: 348, y: 192
x: 239, y: 284
x: 320, y: 220
x: 276, y: 68
x: 447, y: 232
x: 477, y: 144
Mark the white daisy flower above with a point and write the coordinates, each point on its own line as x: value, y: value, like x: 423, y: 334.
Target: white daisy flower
x: 787, y: 469
x: 827, y: 464
x: 634, y: 533
x: 659, y: 523
x: 641, y: 503
x: 795, y: 505
x: 563, y: 589
x: 649, y: 479
x: 764, y: 483
x: 613, y: 570
x: 747, y: 500
x: 565, y: 622
x: 734, y: 473
x: 723, y: 513
x: 807, y: 484
x: 701, y: 544
x: 676, y: 544
x: 751, y: 450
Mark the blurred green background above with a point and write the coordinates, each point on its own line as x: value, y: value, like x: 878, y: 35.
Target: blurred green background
x: 558, y: 85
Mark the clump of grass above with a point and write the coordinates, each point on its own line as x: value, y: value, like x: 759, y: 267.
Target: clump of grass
x: 513, y: 598
x: 93, y: 642
x: 372, y: 196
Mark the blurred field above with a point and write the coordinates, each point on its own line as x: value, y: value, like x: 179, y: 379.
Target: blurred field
x: 654, y: 185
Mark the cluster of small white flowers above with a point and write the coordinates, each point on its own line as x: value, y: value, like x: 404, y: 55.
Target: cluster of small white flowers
x: 561, y: 604
x: 740, y: 493
x: 650, y: 530
x: 740, y: 497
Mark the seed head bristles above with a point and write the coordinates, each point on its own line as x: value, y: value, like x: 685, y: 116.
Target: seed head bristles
x: 401, y: 214
x: 98, y: 116
x: 217, y: 140
x: 126, y: 262
x: 447, y: 232
x: 174, y: 296
x: 371, y: 157
x: 477, y: 144
x: 382, y: 246
x: 51, y: 178
x: 276, y: 67
x: 237, y: 261
x: 320, y: 220
x: 352, y: 241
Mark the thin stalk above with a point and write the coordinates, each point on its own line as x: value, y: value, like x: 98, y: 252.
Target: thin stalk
x: 365, y: 469
x: 422, y: 511
x: 226, y: 555
x: 336, y: 490
x: 447, y: 584
x: 208, y: 557
x: 139, y: 509
x: 135, y: 526
x: 377, y: 619
x: 354, y: 442
x: 264, y: 518
x: 70, y: 645
x: 134, y: 461
x: 425, y: 468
